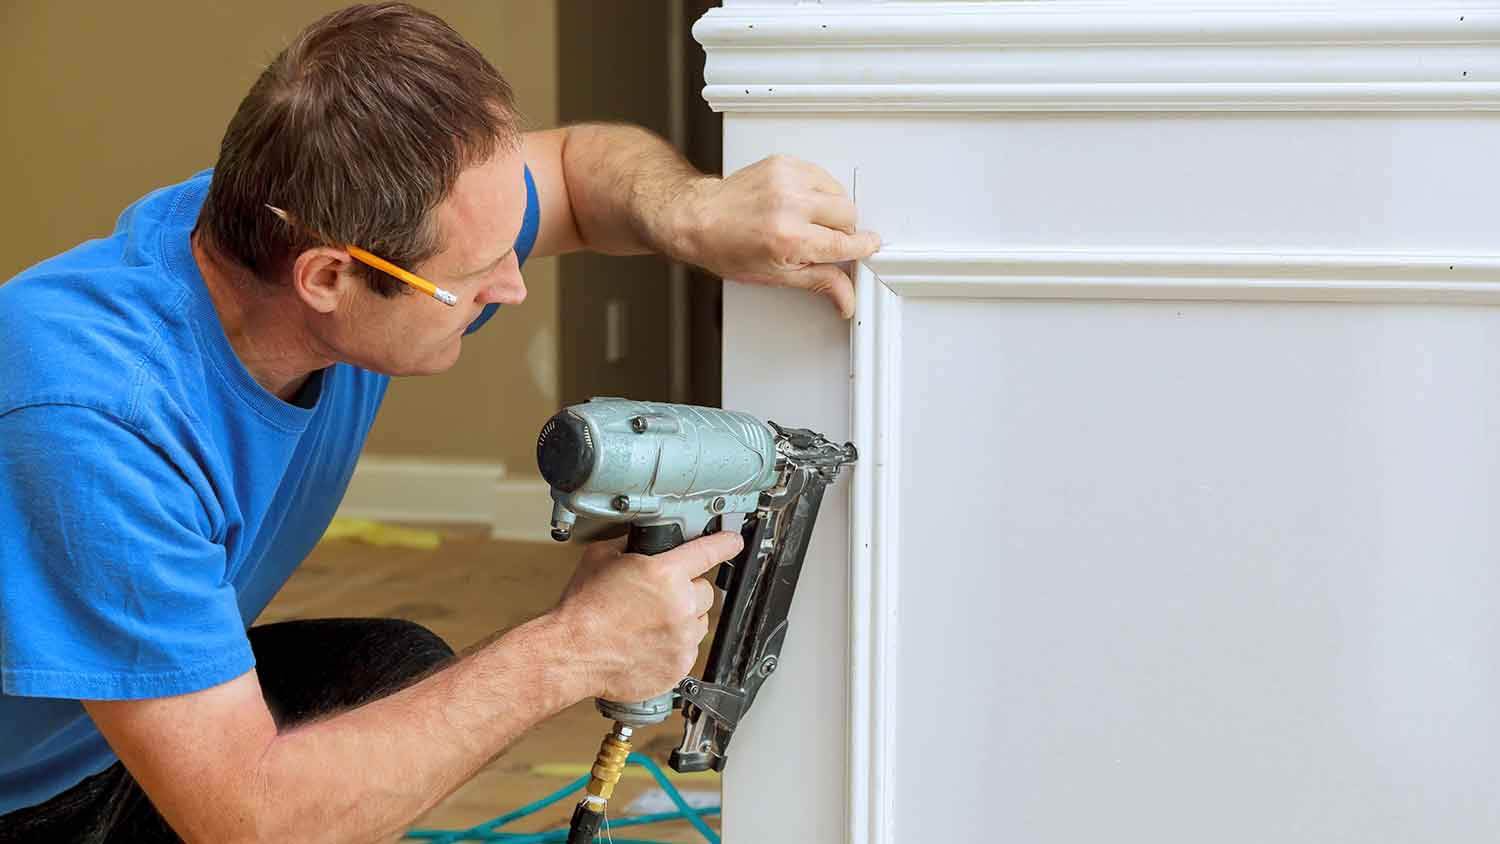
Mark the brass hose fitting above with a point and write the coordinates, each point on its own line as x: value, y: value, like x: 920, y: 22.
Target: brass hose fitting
x: 610, y: 762
x: 608, y: 765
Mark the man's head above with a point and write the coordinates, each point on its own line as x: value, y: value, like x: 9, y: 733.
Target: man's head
x: 379, y: 127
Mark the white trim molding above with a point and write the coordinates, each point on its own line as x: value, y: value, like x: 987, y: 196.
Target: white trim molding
x: 1239, y: 276
x: 1132, y: 55
x: 414, y: 489
x: 875, y: 357
x: 523, y: 511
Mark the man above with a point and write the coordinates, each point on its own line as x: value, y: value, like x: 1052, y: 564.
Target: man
x: 181, y: 405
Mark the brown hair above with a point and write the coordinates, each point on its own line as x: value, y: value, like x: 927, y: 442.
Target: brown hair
x: 359, y: 129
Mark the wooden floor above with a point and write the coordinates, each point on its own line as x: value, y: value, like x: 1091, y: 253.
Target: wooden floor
x: 465, y: 590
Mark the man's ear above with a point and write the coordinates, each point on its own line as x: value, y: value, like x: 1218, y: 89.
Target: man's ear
x: 322, y: 276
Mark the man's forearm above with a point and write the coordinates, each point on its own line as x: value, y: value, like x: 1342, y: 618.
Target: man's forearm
x: 366, y: 774
x: 627, y: 189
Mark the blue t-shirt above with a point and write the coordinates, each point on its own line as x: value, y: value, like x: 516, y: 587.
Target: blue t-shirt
x: 153, y: 496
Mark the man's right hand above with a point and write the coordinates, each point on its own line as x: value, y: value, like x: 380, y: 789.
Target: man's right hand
x: 218, y: 768
x: 638, y: 620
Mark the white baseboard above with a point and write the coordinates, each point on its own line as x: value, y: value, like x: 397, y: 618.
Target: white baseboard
x: 522, y: 510
x: 408, y: 489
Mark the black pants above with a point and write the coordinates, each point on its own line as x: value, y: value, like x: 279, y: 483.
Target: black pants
x: 306, y: 669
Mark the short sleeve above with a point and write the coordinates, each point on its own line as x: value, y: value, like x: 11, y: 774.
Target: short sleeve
x: 111, y: 586
x: 531, y: 222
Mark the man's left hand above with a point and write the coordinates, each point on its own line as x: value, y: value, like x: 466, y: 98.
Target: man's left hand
x: 781, y: 222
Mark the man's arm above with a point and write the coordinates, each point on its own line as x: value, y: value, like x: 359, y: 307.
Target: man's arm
x: 216, y: 767
x: 622, y: 190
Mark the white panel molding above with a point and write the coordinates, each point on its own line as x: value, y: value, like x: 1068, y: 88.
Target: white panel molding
x: 1229, y: 276
x: 874, y: 521
x: 1143, y: 55
x: 409, y: 489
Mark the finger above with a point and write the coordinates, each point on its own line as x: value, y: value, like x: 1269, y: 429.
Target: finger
x: 827, y: 246
x: 834, y: 212
x: 705, y: 595
x: 700, y: 555
x: 828, y: 280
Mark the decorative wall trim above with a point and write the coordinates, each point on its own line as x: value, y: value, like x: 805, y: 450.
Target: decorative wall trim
x: 1138, y: 97
x: 1253, y: 276
x: 1084, y: 56
x: 874, y: 524
x: 406, y: 489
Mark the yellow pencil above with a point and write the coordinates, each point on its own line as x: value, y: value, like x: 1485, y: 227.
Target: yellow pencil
x: 383, y: 265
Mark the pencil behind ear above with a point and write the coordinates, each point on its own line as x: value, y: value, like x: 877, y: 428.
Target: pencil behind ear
x: 320, y: 274
x: 379, y: 263
x: 316, y: 272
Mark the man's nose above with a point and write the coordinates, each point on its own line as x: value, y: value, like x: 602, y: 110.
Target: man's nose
x: 509, y: 290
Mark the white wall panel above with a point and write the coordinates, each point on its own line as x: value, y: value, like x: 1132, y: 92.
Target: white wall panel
x: 1175, y: 390
x: 1197, y: 571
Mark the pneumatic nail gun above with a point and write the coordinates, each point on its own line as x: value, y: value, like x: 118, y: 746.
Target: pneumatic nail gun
x: 673, y: 472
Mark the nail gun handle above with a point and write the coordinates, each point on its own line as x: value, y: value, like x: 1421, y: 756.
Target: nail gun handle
x: 653, y: 539
x: 649, y: 540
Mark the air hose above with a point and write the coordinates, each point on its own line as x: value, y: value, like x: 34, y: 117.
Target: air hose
x: 490, y: 830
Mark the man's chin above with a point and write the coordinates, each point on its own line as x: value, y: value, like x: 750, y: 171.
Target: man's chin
x: 433, y: 364
x: 439, y: 364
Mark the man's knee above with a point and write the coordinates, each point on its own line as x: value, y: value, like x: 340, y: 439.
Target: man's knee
x: 312, y: 667
x: 414, y: 650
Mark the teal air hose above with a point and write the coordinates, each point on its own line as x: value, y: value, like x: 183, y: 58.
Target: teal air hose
x: 489, y: 830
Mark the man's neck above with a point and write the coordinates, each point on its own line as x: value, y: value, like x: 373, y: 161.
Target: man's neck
x: 264, y: 324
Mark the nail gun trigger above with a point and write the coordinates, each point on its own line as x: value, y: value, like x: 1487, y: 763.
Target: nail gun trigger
x: 725, y: 577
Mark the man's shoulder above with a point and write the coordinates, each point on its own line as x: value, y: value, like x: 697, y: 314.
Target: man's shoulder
x: 81, y: 326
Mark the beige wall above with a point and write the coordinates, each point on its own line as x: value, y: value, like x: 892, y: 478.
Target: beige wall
x: 104, y: 102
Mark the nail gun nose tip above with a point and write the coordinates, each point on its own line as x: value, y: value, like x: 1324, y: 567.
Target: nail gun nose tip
x: 561, y: 535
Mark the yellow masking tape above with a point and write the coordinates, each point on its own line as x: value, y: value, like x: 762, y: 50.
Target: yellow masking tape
x: 383, y: 535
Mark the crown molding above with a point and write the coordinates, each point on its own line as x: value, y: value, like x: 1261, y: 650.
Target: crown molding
x: 1083, y: 56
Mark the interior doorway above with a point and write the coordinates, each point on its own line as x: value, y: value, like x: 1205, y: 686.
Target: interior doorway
x: 639, y: 326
